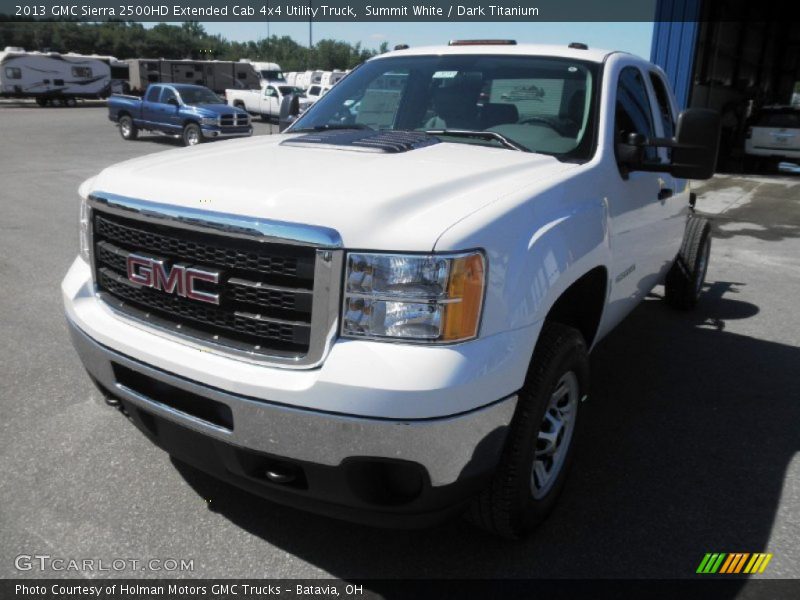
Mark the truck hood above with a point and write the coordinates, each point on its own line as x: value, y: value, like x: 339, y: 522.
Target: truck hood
x: 211, y: 110
x: 378, y: 201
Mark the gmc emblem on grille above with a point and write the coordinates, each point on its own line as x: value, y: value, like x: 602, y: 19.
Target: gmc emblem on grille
x: 178, y: 279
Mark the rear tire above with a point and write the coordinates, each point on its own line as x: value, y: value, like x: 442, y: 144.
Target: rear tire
x: 127, y: 128
x: 688, y: 273
x: 42, y: 102
x: 539, y: 447
x: 70, y: 102
x: 192, y: 135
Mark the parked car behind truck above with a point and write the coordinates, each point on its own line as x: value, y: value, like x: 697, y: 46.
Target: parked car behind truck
x: 400, y: 332
x: 266, y: 102
x: 192, y: 113
x: 773, y: 137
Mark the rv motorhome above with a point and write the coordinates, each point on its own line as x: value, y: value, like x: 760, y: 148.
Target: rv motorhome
x: 266, y: 70
x: 217, y: 75
x: 53, y: 78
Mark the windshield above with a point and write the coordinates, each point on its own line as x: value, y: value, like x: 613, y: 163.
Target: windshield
x: 288, y: 89
x: 199, y: 96
x: 272, y: 75
x: 541, y: 104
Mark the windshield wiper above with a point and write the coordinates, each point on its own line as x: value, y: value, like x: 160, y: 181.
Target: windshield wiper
x: 486, y: 135
x: 330, y: 127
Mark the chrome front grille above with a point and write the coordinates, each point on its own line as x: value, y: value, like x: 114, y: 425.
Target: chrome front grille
x: 277, y: 298
x: 234, y: 120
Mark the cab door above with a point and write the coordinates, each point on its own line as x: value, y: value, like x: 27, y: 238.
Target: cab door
x: 151, y: 107
x: 170, y: 109
x: 637, y: 201
x: 673, y: 207
x: 270, y: 103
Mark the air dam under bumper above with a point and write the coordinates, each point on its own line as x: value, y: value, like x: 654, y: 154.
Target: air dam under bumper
x: 379, y: 471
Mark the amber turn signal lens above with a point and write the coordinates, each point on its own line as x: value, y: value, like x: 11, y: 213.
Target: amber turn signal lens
x: 465, y: 295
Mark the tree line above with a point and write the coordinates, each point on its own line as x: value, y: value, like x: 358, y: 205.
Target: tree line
x: 124, y: 39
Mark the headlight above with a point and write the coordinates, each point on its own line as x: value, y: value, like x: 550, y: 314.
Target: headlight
x: 209, y: 121
x: 83, y: 231
x: 428, y: 298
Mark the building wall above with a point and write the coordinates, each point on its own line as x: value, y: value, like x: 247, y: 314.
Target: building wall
x: 675, y: 43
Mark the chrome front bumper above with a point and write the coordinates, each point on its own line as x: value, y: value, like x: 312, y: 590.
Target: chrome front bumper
x: 448, y: 448
x: 216, y: 133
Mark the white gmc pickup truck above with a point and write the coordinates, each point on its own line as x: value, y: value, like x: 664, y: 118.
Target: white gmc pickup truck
x: 397, y: 327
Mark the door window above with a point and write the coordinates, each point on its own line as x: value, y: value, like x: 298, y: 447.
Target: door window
x: 632, y: 113
x: 168, y: 94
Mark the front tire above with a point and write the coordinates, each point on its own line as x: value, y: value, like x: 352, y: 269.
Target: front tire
x: 192, y: 134
x: 540, y: 442
x: 688, y: 273
x: 127, y: 128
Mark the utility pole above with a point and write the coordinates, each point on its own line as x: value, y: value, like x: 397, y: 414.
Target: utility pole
x: 310, y: 36
x: 268, y: 42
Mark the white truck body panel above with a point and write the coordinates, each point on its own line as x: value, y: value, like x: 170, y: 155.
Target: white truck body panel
x: 540, y: 222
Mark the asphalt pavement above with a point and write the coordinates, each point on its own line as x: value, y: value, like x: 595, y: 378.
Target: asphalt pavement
x: 691, y: 444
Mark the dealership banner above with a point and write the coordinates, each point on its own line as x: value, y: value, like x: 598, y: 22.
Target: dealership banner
x: 332, y: 10
x: 371, y: 589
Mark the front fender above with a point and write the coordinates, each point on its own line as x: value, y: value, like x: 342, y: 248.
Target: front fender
x: 536, y: 246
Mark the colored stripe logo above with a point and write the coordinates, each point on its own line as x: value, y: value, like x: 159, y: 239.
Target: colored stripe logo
x: 733, y: 563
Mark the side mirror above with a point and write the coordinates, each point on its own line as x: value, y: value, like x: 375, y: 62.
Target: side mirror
x: 694, y: 155
x: 694, y: 147
x: 289, y: 110
x: 630, y: 153
x: 173, y: 102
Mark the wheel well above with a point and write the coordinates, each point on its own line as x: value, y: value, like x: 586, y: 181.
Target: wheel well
x: 122, y: 113
x: 581, y: 304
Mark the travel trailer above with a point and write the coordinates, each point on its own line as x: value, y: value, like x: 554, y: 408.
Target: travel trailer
x: 305, y: 79
x: 53, y: 78
x: 330, y: 78
x: 216, y: 75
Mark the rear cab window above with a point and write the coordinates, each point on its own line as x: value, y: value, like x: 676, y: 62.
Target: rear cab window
x: 664, y: 107
x: 152, y: 93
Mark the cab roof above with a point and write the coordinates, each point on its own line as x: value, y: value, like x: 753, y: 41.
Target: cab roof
x: 591, y: 54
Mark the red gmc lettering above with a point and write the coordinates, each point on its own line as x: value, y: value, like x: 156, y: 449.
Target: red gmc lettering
x: 179, y: 279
